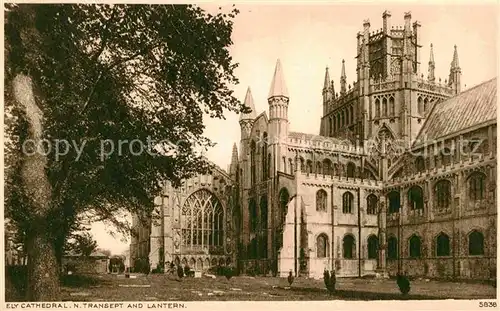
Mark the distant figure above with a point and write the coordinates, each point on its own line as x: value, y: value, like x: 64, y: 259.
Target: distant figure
x: 330, y: 281
x: 290, y: 278
x: 228, y: 272
x: 326, y: 278
x: 403, y: 283
x: 180, y: 273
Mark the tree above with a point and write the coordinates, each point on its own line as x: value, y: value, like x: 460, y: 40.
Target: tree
x: 82, y: 244
x: 118, y: 92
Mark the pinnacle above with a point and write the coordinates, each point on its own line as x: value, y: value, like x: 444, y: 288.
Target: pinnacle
x: 234, y: 156
x: 431, y: 57
x: 327, y: 79
x: 278, y: 86
x: 454, y: 63
x: 342, y: 74
x: 248, y: 103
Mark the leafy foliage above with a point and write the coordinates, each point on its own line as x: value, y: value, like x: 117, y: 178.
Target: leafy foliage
x: 115, y: 73
x: 82, y: 244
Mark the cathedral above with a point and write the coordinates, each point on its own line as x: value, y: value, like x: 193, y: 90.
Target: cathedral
x: 401, y: 178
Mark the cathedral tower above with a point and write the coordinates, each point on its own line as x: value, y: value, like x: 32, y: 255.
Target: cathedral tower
x: 278, y: 118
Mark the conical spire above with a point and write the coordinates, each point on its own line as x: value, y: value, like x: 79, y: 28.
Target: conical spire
x: 454, y: 63
x: 343, y: 78
x: 326, y: 84
x: 248, y: 103
x: 278, y: 86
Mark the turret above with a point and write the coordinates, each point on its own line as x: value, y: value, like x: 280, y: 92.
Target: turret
x: 455, y: 73
x: 278, y: 116
x: 246, y: 119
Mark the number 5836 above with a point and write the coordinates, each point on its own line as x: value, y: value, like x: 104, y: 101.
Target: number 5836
x: 487, y: 304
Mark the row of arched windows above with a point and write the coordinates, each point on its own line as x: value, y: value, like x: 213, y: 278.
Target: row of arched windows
x: 385, y: 107
x: 325, y: 167
x: 476, y: 187
x: 442, y: 246
x: 445, y: 156
x: 347, y: 202
x: 341, y: 119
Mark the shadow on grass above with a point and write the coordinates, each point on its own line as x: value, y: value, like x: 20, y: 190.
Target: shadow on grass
x: 361, y: 295
x: 81, y: 281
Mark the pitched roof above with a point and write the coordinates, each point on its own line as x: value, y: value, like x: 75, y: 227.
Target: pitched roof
x: 472, y: 107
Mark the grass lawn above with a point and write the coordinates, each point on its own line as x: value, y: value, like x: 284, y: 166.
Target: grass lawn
x: 167, y: 288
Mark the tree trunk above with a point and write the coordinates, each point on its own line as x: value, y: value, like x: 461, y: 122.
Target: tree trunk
x: 43, y: 271
x: 43, y: 274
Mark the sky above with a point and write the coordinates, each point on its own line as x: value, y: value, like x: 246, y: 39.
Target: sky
x: 308, y: 38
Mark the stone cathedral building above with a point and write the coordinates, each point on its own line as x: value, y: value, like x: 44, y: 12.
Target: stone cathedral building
x: 402, y: 177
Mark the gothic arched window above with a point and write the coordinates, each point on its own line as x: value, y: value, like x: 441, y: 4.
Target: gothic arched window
x: 415, y: 247
x: 202, y: 220
x: 392, y: 248
x: 347, y: 202
x: 347, y: 117
x: 321, y: 200
x: 377, y: 108
x: 420, y: 164
x: 476, y: 243
x: 416, y: 198
x: 443, y: 194
x: 252, y: 162
x: 394, y: 202
x: 371, y: 204
x: 351, y: 168
x: 302, y: 165
x: 349, y: 246
x: 318, y: 167
x: 392, y: 106
x: 372, y: 247
x: 327, y: 167
x: 265, y: 172
x: 420, y: 104
x: 384, y: 107
x: 351, y: 113
x: 263, y: 224
x: 445, y: 157
x: 290, y: 163
x: 442, y: 245
x: 252, y: 213
x: 476, y: 186
x: 263, y: 213
x: 322, y: 246
x: 309, y: 165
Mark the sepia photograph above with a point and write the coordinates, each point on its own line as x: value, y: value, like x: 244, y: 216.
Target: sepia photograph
x: 158, y: 154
